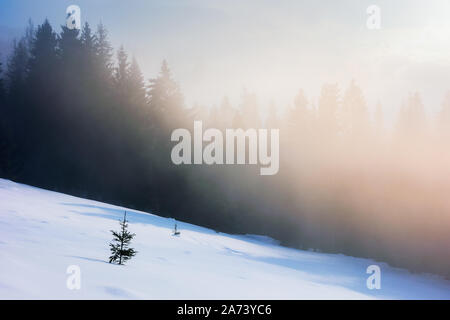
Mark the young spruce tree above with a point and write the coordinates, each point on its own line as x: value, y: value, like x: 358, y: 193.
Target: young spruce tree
x: 120, y: 251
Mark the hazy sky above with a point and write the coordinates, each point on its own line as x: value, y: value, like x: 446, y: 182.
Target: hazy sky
x: 273, y: 48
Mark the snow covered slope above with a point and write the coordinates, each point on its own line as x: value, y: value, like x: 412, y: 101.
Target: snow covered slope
x: 42, y: 233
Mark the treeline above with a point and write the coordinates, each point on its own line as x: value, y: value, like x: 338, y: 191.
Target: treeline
x: 79, y: 121
x: 78, y: 117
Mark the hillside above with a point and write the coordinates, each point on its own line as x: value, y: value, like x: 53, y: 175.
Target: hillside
x: 43, y: 232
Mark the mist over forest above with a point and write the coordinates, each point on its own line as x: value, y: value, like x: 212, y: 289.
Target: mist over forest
x: 78, y: 117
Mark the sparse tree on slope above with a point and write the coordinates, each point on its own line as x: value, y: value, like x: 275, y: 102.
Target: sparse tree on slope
x: 120, y: 250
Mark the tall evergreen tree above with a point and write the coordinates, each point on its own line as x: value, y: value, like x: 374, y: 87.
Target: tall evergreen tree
x: 30, y: 33
x: 16, y: 110
x: 4, y: 156
x: 412, y: 120
x: 43, y: 49
x: 122, y: 73
x: 42, y: 117
x: 355, y: 118
x: 69, y: 47
x: 120, y: 245
x: 87, y: 38
x: 137, y: 85
x: 300, y: 119
x: 104, y: 53
x: 2, y: 85
x: 164, y: 94
x: 17, y: 69
x: 328, y: 109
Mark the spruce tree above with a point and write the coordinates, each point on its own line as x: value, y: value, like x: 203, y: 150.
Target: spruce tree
x: 121, y: 72
x: 3, y: 137
x: 104, y: 52
x: 88, y: 39
x: 120, y: 250
x: 164, y: 94
x: 17, y: 70
x: 354, y: 115
x: 137, y: 86
x: 328, y: 125
x: 2, y: 87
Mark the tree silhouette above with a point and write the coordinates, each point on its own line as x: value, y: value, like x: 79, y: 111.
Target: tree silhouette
x: 2, y: 85
x: 17, y: 69
x: 412, y: 119
x: 120, y: 245
x: 328, y: 108
x: 164, y: 95
x: 354, y: 112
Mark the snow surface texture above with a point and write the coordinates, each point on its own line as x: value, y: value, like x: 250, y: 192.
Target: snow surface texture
x: 43, y: 233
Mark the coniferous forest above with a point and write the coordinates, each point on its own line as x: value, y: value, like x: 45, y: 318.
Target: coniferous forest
x: 78, y: 117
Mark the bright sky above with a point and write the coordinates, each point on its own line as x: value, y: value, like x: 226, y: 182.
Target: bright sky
x: 273, y: 48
